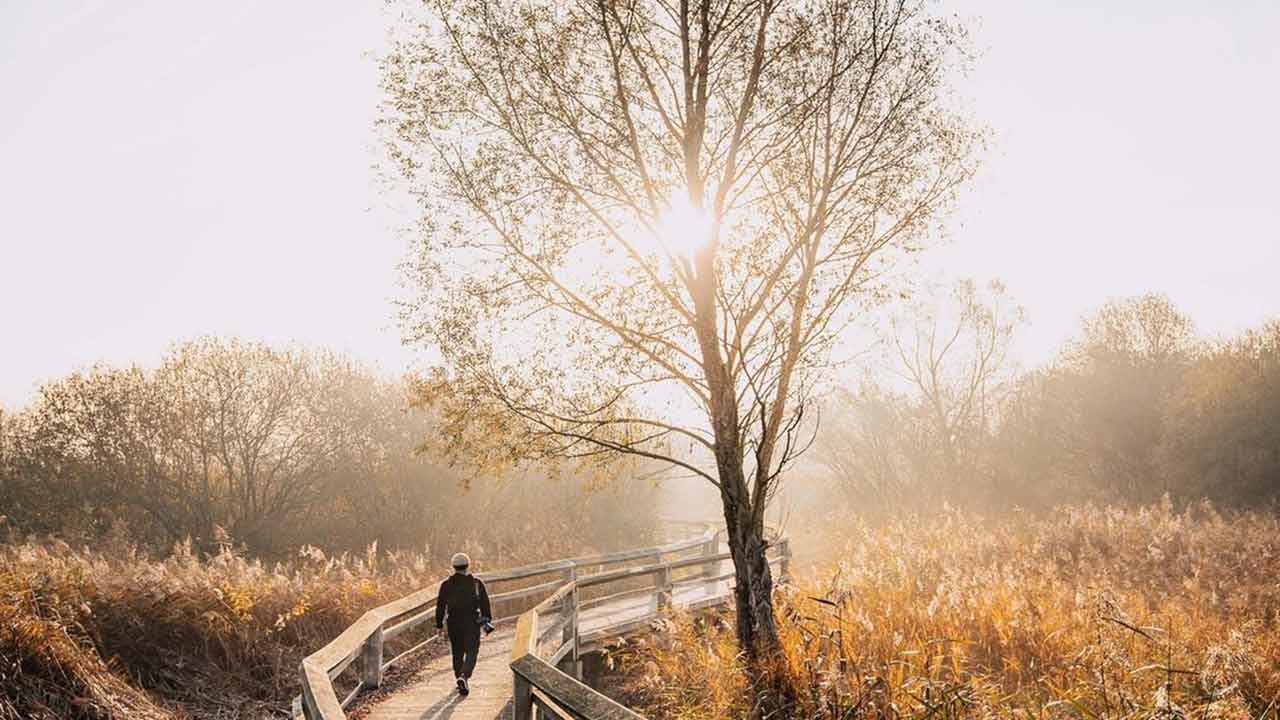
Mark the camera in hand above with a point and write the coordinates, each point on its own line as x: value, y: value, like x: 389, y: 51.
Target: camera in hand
x: 485, y: 624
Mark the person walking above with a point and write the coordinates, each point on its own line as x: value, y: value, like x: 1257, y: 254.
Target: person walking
x: 464, y: 601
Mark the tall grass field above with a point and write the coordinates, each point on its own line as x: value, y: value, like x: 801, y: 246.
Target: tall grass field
x: 1087, y: 612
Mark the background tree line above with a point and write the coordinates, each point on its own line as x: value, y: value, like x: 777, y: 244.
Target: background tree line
x: 1134, y: 406
x: 231, y: 442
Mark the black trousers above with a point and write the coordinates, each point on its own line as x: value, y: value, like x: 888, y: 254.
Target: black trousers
x: 464, y: 638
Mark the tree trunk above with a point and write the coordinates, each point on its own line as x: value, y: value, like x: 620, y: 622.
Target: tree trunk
x: 753, y: 600
x: 753, y: 592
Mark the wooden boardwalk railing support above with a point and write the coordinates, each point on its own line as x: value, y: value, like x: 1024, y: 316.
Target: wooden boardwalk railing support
x: 709, y: 548
x: 542, y: 690
x: 371, y: 661
x: 310, y: 709
x: 570, y: 634
x: 537, y: 684
x: 663, y: 585
x: 521, y: 697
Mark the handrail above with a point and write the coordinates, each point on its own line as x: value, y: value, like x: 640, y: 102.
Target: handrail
x: 365, y: 637
x: 539, y: 683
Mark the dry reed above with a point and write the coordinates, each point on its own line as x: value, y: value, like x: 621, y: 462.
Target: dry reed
x: 1086, y: 612
x: 112, y: 633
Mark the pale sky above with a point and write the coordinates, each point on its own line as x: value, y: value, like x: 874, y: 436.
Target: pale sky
x: 170, y: 169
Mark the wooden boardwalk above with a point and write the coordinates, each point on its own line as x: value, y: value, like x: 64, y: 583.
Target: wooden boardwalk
x: 432, y: 695
x: 526, y: 668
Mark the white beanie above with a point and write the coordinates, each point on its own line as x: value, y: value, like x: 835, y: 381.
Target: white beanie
x: 460, y: 560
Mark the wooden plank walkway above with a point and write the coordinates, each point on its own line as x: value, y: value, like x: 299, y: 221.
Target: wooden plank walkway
x: 432, y: 695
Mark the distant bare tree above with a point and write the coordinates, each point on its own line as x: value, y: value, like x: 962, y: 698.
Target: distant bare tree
x: 1143, y: 330
x: 1136, y: 406
x: 69, y: 450
x: 863, y: 445
x: 251, y: 436
x: 646, y: 221
x: 267, y: 449
x: 223, y: 434
x: 1091, y: 424
x: 954, y: 352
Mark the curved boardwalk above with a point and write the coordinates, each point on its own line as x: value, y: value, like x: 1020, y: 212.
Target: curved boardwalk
x: 432, y: 695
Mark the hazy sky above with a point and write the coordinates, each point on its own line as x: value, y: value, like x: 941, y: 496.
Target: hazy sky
x: 169, y: 169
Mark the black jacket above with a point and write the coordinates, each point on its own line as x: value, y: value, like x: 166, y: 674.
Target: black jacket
x: 460, y: 595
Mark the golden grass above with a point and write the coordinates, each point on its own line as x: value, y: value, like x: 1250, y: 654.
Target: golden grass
x: 111, y: 633
x: 1086, y: 612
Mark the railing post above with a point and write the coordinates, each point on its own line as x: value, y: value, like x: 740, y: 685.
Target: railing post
x: 521, y: 699
x: 663, y: 584
x: 371, y: 660
x: 309, y: 709
x: 571, y: 634
x: 570, y: 616
x: 710, y: 548
x: 572, y: 600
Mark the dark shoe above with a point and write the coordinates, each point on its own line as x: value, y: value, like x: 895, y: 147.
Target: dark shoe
x: 462, y: 687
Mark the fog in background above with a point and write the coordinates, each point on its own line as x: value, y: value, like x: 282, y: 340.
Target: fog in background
x: 171, y: 170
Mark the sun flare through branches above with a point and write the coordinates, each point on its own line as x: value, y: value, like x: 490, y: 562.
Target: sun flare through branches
x: 683, y: 226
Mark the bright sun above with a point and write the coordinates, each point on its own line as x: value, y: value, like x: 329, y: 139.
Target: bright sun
x: 683, y: 227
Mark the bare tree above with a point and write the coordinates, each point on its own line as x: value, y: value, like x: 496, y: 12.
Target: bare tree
x: 954, y: 352
x: 250, y: 436
x: 865, y: 446
x: 644, y: 223
x: 223, y: 434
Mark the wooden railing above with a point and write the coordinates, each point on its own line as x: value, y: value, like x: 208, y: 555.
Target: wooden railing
x: 367, y: 638
x: 541, y: 649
